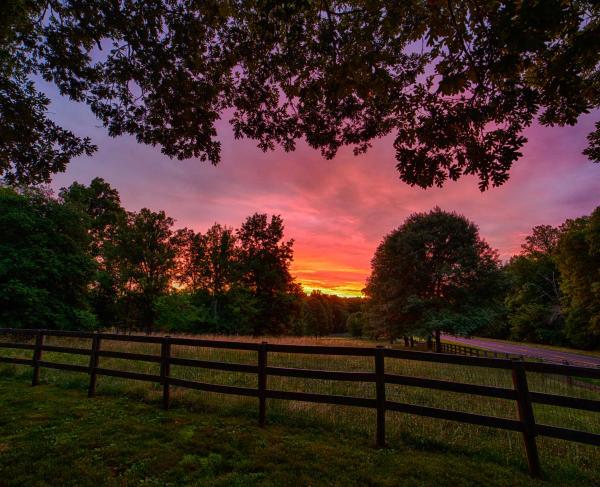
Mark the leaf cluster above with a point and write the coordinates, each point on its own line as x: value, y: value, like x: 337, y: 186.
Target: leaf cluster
x: 455, y: 83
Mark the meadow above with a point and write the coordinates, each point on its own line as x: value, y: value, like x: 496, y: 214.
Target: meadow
x: 563, y: 462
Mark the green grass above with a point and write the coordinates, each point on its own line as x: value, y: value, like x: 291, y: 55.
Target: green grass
x: 56, y: 437
x: 501, y: 451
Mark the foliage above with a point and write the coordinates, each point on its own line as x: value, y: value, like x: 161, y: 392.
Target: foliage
x: 44, y: 264
x: 100, y: 206
x: 141, y: 273
x: 324, y: 314
x: 146, y: 249
x: 537, y: 323
x: 533, y: 300
x: 578, y: 258
x: 552, y: 292
x: 315, y: 315
x: 542, y: 241
x: 264, y: 261
x: 179, y: 312
x: 208, y: 262
x: 32, y: 146
x: 81, y: 261
x: 456, y: 83
x: 356, y: 324
x: 434, y: 273
x: 240, y: 312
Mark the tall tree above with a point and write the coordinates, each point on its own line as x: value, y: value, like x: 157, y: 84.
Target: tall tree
x: 533, y: 298
x: 578, y: 258
x: 434, y: 273
x: 101, y: 203
x: 147, y: 248
x: 334, y: 72
x: 104, y: 216
x: 210, y: 262
x: 542, y: 241
x: 264, y: 268
x: 45, y: 268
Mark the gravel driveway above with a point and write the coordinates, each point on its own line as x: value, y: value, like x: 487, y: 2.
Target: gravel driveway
x: 521, y: 349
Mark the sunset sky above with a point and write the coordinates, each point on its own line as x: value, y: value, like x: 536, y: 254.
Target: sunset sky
x: 336, y: 211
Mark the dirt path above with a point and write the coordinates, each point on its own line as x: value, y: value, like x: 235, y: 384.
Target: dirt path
x: 548, y: 355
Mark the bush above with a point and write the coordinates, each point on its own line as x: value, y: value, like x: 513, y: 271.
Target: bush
x: 356, y: 324
x: 177, y: 312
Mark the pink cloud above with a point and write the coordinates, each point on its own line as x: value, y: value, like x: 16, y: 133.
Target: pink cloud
x: 338, y: 211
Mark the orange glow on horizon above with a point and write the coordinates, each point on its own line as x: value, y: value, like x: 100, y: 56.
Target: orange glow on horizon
x: 329, y: 277
x: 338, y: 211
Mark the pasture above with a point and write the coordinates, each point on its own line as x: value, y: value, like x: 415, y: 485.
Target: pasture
x: 563, y: 462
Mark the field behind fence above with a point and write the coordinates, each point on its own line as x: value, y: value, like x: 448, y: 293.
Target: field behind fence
x: 506, y: 408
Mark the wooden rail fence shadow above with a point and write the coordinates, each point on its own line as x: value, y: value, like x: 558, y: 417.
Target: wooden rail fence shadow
x: 525, y: 422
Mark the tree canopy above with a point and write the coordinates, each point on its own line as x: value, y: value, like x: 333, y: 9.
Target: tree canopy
x: 454, y: 83
x: 264, y: 268
x: 578, y: 258
x: 45, y: 267
x: 533, y: 296
x: 134, y: 270
x: 434, y: 273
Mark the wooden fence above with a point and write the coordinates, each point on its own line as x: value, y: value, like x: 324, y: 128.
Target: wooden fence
x: 523, y: 397
x: 476, y: 352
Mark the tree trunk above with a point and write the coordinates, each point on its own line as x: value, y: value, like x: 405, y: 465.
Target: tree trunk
x: 438, y: 341
x: 215, y: 308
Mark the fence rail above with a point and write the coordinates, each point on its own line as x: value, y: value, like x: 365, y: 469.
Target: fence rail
x: 525, y: 422
x: 475, y: 352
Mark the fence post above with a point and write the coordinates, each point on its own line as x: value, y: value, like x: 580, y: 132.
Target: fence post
x: 262, y: 383
x: 568, y: 378
x: 380, y: 388
x: 165, y: 370
x: 37, y: 356
x: 94, y: 358
x: 525, y: 410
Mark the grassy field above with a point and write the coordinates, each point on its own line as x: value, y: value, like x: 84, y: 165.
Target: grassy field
x: 51, y: 436
x: 563, y: 462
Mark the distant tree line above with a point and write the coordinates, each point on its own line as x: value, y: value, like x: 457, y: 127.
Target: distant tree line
x: 81, y: 261
x: 554, y: 285
x: 435, y: 274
